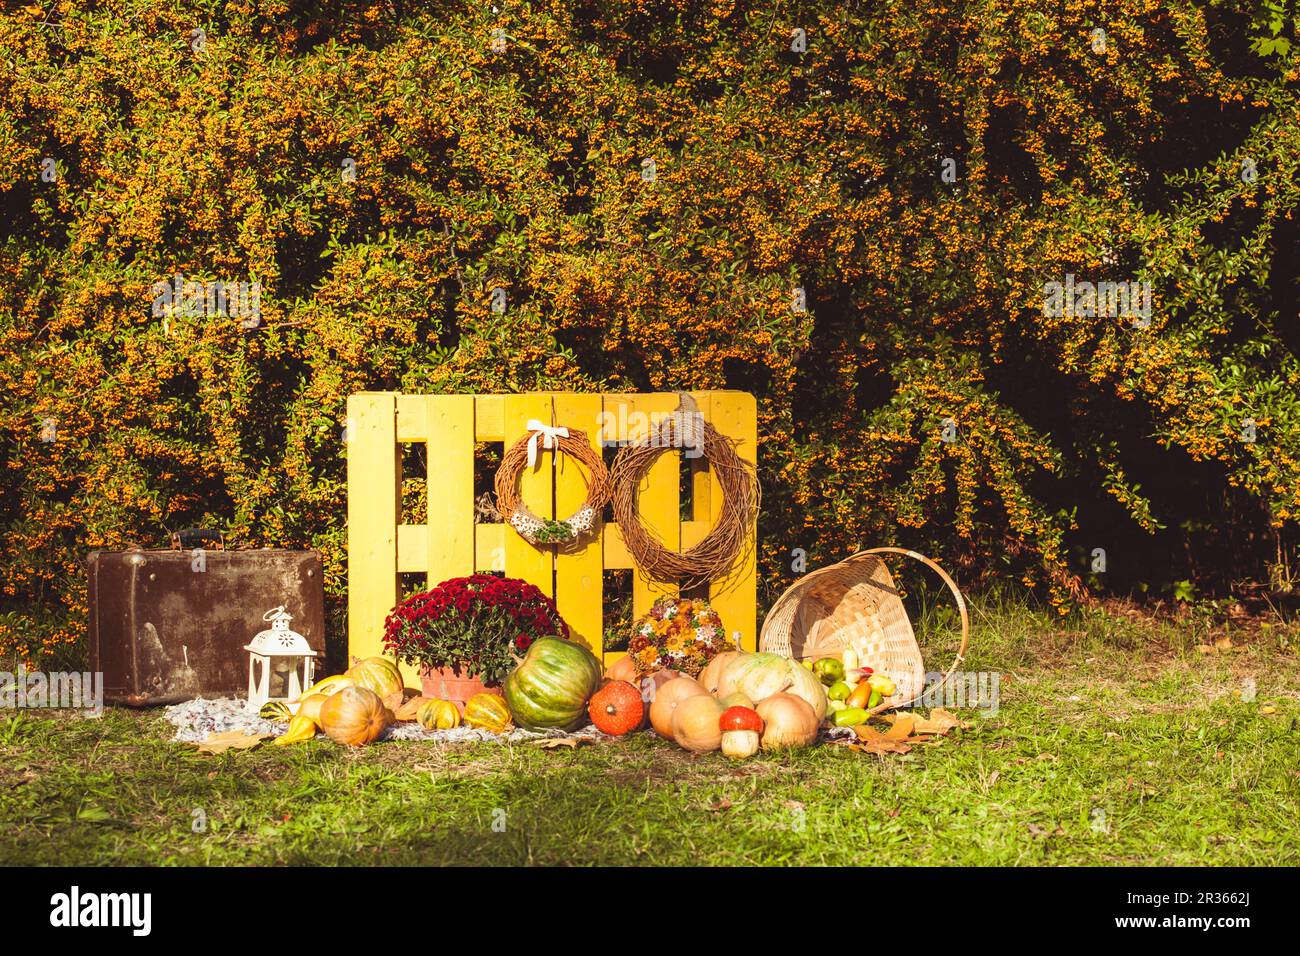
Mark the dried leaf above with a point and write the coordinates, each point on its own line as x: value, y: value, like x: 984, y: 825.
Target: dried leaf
x: 718, y: 804
x: 940, y: 721
x: 874, y: 742
x: 901, y: 727
x: 231, y: 740
x: 555, y: 743
x: 408, y: 711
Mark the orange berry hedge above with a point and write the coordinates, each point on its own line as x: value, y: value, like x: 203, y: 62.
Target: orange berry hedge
x: 878, y: 217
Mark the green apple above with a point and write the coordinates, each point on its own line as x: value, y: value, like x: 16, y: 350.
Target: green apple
x: 829, y: 670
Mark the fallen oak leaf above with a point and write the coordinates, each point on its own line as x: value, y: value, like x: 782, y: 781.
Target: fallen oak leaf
x: 231, y: 740
x: 873, y: 741
x: 555, y: 743
x: 901, y: 727
x: 939, y: 723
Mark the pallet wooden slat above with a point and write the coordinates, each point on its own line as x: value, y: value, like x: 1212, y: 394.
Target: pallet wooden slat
x: 579, y: 573
x: 374, y: 483
x: 536, y: 489
x: 735, y: 415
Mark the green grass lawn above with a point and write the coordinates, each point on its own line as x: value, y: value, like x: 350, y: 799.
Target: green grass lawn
x: 1116, y: 742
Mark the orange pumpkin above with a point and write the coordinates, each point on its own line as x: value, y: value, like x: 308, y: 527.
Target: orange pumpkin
x: 381, y: 676
x: 354, y: 716
x: 616, y: 709
x: 712, y: 673
x: 666, y: 699
x: 696, y: 723
x: 788, y: 721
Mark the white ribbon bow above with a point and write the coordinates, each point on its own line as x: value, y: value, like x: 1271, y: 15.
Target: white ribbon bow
x: 548, y: 434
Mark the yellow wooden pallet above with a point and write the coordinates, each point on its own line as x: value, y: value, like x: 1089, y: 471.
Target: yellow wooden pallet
x: 446, y: 543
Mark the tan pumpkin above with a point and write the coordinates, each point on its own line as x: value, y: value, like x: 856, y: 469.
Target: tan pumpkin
x: 354, y: 716
x: 381, y: 676
x: 624, y: 669
x: 310, y: 707
x: 696, y: 723
x: 737, y: 698
x: 712, y: 673
x: 788, y: 721
x: 649, y: 686
x: 666, y: 699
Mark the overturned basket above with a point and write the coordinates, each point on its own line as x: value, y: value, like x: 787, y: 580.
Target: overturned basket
x: 854, y: 603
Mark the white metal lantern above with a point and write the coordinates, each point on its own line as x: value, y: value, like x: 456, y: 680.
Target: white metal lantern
x: 280, y: 661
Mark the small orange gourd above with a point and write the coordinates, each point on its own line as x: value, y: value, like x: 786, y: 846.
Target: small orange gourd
x: 616, y: 709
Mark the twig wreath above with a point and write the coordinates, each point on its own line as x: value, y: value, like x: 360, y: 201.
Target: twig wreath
x: 715, y: 556
x: 523, y: 454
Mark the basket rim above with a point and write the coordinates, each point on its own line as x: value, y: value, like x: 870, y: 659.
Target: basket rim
x: 792, y: 594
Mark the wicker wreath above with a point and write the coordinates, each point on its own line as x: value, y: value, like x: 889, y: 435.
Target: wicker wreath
x: 714, y: 557
x: 523, y: 454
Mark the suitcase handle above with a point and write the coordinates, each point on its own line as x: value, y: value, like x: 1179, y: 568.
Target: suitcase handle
x: 189, y: 538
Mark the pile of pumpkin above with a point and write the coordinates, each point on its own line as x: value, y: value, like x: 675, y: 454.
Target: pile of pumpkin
x: 549, y: 689
x: 354, y: 708
x: 739, y: 703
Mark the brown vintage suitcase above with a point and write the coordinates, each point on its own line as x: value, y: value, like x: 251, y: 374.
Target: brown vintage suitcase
x: 167, y: 626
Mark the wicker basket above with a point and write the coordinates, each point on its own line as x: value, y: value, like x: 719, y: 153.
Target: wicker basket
x: 854, y: 604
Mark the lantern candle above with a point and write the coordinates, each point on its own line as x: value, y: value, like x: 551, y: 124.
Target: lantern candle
x: 280, y: 662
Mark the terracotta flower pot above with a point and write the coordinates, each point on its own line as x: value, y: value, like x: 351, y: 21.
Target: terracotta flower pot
x: 452, y: 683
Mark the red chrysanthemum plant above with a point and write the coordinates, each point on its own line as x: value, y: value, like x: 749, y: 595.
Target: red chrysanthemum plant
x: 479, y: 623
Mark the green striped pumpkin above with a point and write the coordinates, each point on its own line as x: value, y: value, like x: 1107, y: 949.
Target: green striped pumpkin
x: 552, y: 684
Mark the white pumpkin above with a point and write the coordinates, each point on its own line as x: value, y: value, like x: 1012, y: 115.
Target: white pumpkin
x: 759, y: 676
